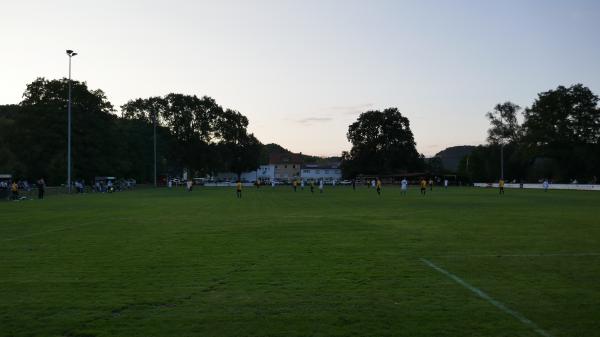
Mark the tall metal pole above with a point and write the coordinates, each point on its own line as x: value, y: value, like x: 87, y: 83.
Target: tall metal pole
x: 502, y: 149
x: 155, y: 185
x: 69, y: 132
x: 502, y: 161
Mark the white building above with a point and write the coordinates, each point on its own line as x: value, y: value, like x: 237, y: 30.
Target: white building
x: 317, y: 172
x: 266, y: 172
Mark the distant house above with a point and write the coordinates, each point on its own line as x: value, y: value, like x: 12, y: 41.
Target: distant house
x: 287, y: 165
x: 317, y: 172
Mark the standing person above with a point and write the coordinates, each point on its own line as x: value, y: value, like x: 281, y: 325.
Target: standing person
x: 404, y: 186
x: 431, y: 184
x: 41, y: 186
x: 312, y: 186
x: 272, y: 183
x: 423, y: 186
x: 14, y: 188
x: 295, y: 184
x: 446, y: 183
x: 238, y: 189
x: 321, y: 186
x: 501, y: 186
x: 373, y: 183
x: 190, y: 185
x: 546, y: 185
x: 333, y: 183
x: 378, y: 185
x: 302, y: 184
x: 354, y: 184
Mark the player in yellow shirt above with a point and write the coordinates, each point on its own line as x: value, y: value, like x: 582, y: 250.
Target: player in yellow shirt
x: 423, y: 186
x: 501, y: 186
x: 378, y: 185
x: 295, y: 184
x: 238, y: 189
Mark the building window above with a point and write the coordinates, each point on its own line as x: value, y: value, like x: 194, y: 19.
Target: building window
x: 337, y: 171
x: 318, y: 172
x: 306, y: 171
x: 293, y: 166
x: 275, y: 166
x: 285, y: 166
x: 326, y: 171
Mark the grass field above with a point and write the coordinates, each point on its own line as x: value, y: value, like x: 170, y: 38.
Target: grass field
x: 457, y: 262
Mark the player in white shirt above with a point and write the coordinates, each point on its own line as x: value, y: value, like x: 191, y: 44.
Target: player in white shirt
x: 403, y: 186
x: 373, y: 183
x: 546, y: 185
x: 446, y: 183
x: 321, y: 185
x: 302, y: 184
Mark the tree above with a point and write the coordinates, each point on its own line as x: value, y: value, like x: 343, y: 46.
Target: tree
x: 382, y: 143
x: 505, y: 127
x: 240, y: 151
x: 563, y: 116
x: 39, y: 135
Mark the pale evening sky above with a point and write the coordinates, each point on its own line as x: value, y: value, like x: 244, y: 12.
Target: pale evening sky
x: 302, y: 71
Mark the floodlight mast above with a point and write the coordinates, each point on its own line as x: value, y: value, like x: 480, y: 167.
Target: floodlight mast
x: 70, y: 53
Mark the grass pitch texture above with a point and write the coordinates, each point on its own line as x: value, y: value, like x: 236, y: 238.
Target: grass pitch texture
x: 283, y: 263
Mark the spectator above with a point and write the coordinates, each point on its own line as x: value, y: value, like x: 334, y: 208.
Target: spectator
x: 41, y: 185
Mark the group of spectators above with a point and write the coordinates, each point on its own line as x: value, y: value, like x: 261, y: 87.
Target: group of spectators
x: 14, y: 189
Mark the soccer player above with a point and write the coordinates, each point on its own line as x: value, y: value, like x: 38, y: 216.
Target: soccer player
x: 354, y: 184
x: 321, y: 186
x: 446, y: 183
x: 312, y: 186
x: 501, y: 186
x: 404, y: 186
x: 295, y: 184
x: 238, y: 188
x: 190, y: 185
x: 423, y: 186
x: 431, y: 184
x: 378, y: 185
x: 302, y: 184
x: 14, y: 188
x: 546, y: 185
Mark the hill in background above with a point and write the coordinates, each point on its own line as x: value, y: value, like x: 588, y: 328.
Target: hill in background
x: 272, y: 148
x: 452, y: 156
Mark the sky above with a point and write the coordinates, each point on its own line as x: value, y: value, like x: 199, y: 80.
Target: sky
x: 302, y: 71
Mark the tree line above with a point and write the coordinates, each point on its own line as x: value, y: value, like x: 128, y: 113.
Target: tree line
x: 192, y: 133
x: 558, y: 139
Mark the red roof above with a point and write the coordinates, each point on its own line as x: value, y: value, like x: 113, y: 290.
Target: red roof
x: 285, y: 158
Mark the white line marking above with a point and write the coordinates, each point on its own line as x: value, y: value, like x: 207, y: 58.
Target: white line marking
x: 59, y: 229
x: 522, y: 255
x: 487, y: 297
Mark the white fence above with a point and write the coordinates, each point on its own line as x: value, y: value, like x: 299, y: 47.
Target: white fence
x: 578, y: 187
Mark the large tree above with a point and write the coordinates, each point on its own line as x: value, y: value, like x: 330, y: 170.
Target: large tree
x: 563, y: 116
x: 505, y: 126
x: 39, y: 134
x: 382, y: 143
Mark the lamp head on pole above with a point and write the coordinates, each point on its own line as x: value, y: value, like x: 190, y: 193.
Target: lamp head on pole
x: 71, y: 53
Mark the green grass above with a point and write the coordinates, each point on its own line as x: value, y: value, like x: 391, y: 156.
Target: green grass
x: 278, y: 263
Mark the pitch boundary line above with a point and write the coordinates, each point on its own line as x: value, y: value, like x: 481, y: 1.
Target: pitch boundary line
x: 58, y: 229
x: 488, y: 298
x: 521, y: 255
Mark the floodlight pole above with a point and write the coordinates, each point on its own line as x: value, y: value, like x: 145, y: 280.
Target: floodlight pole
x: 501, y: 149
x: 70, y: 53
x: 154, y: 122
